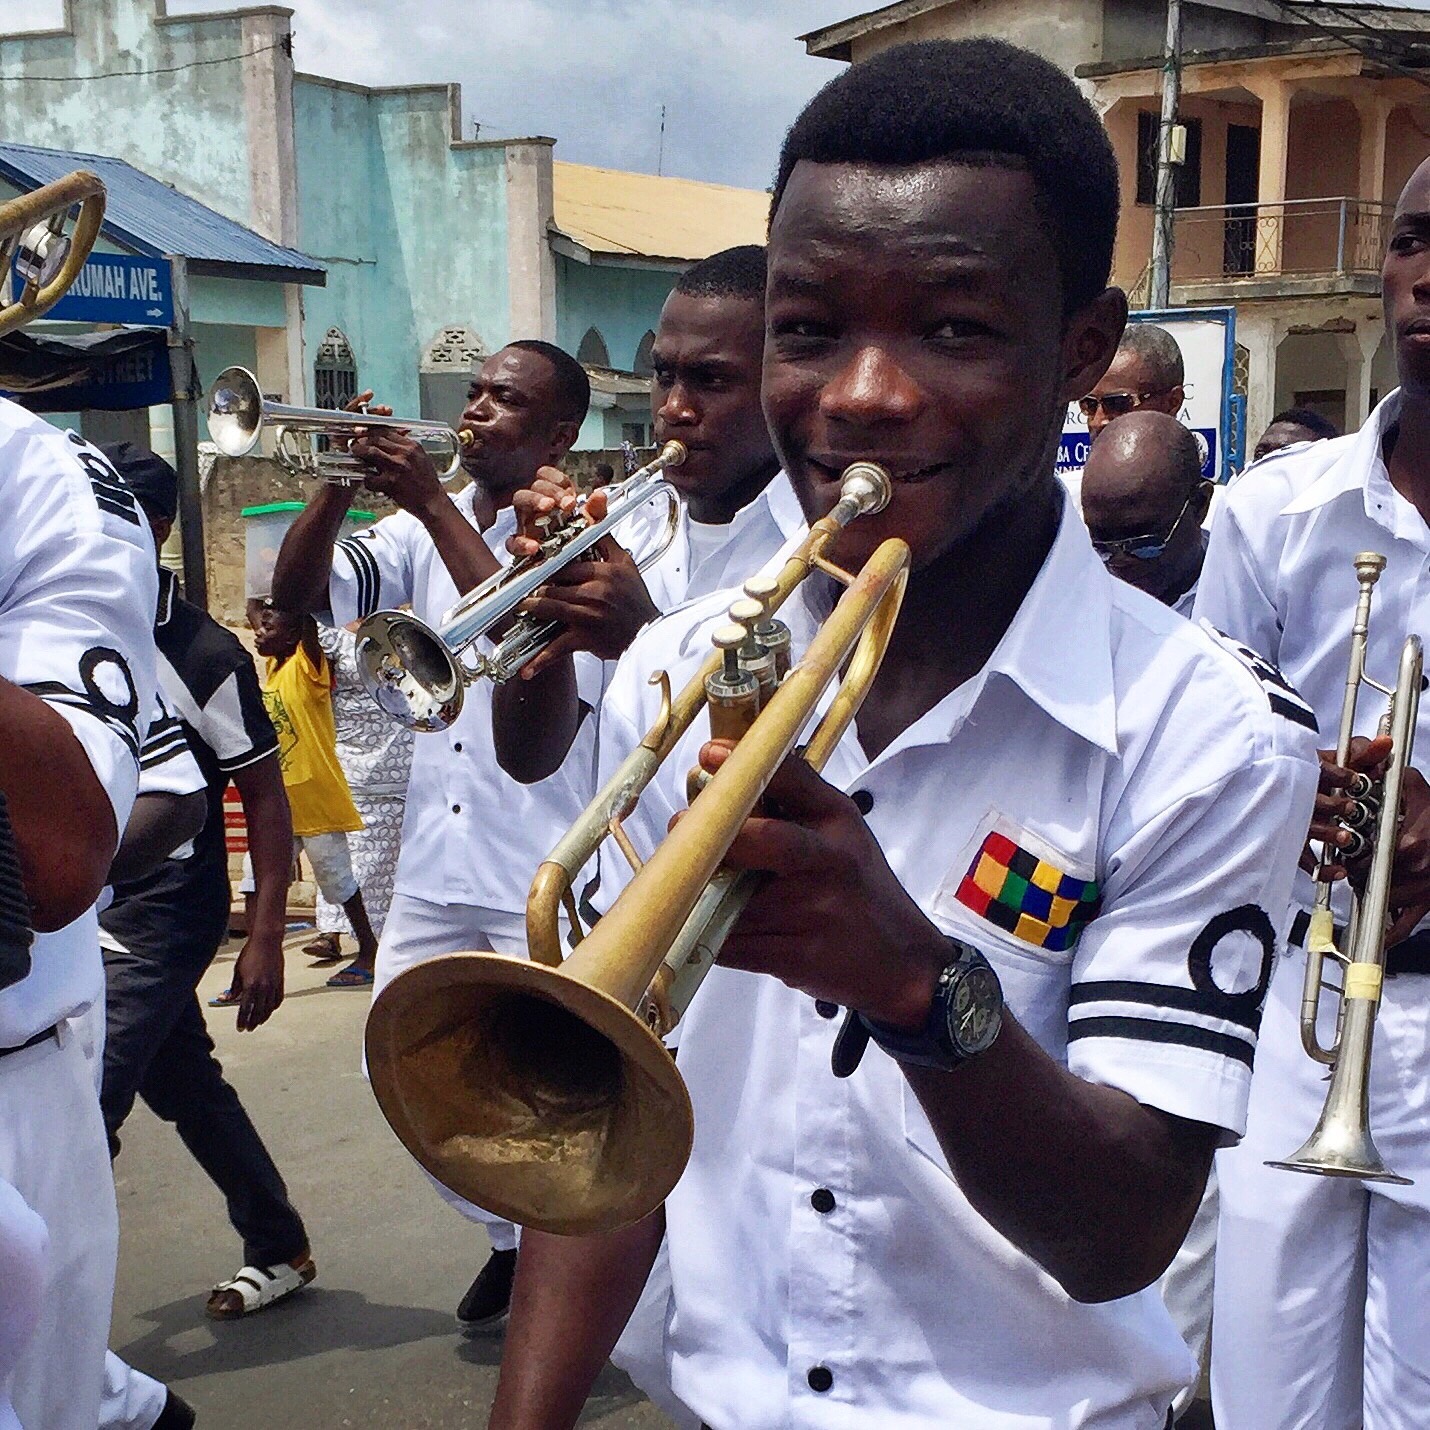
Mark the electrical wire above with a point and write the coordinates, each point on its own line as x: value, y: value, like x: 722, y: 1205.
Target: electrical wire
x: 286, y: 43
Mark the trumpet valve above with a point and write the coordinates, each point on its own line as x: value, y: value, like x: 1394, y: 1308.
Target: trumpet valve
x: 731, y: 693
x: 1363, y: 814
x: 773, y: 635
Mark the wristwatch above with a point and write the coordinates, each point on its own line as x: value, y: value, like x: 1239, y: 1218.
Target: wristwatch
x: 964, y: 1016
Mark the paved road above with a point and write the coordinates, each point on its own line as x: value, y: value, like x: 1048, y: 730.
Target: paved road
x: 371, y: 1342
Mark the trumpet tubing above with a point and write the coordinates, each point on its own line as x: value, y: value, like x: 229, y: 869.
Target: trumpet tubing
x: 239, y: 414
x: 47, y: 259
x: 541, y: 1089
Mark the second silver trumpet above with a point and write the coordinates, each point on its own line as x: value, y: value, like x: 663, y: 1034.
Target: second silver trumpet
x: 418, y: 675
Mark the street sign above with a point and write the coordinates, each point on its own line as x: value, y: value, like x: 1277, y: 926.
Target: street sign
x: 117, y: 288
x: 1207, y: 338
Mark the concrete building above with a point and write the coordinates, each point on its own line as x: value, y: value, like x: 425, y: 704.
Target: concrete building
x: 1301, y: 132
x: 437, y: 248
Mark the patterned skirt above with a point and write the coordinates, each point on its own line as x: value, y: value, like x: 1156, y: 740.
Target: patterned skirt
x: 374, y: 854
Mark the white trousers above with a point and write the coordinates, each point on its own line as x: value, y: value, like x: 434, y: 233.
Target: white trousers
x: 417, y: 930
x: 1186, y: 1286
x: 53, y: 1152
x: 24, y: 1257
x: 1322, y: 1283
x: 130, y: 1400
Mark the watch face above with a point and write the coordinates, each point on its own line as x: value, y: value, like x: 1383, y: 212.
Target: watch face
x: 975, y: 1010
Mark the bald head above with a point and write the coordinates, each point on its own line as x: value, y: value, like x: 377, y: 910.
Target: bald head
x: 1143, y: 478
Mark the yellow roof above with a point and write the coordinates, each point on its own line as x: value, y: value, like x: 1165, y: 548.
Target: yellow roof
x: 613, y: 211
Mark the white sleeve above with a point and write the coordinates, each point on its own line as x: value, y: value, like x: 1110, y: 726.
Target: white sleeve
x: 1168, y: 979
x: 166, y: 763
x: 78, y: 590
x: 1231, y: 592
x: 372, y: 571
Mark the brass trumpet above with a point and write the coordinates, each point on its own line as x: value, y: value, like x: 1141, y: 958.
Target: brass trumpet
x: 1341, y: 1144
x: 419, y: 675
x: 239, y: 413
x: 541, y: 1090
x: 47, y: 260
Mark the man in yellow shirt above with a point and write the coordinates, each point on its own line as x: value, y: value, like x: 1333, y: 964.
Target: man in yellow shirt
x: 298, y: 691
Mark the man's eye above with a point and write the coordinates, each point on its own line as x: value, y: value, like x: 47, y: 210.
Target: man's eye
x: 663, y: 377
x: 958, y: 330
x: 1406, y: 243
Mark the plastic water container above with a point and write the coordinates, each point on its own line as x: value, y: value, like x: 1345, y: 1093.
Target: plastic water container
x: 264, y: 528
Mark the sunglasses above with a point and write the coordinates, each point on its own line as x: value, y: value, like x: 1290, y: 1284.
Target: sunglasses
x: 1116, y: 404
x: 1141, y: 548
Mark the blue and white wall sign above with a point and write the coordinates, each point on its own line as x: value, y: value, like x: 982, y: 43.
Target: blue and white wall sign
x: 117, y: 288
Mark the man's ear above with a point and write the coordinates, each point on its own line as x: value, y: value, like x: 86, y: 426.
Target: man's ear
x: 1176, y: 396
x: 1090, y: 340
x: 1203, y: 501
x: 562, y: 441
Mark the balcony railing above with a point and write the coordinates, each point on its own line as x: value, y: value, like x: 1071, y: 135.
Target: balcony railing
x: 1229, y: 245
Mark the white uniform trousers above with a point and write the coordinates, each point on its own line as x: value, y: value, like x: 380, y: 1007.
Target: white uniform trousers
x: 417, y: 930
x: 24, y: 1254
x: 53, y: 1151
x: 1186, y: 1286
x: 1322, y: 1306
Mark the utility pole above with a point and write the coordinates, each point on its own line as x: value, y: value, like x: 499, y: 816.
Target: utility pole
x: 186, y: 438
x: 1170, y: 143
x: 660, y: 156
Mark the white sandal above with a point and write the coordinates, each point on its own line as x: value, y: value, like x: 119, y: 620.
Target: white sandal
x: 256, y: 1287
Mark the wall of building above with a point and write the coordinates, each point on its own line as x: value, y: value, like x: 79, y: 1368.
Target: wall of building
x: 1067, y: 32
x: 1134, y: 29
x: 622, y: 304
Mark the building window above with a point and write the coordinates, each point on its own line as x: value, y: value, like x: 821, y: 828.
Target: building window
x: 593, y: 351
x: 1189, y: 173
x: 644, y: 367
x: 635, y: 433
x: 334, y: 372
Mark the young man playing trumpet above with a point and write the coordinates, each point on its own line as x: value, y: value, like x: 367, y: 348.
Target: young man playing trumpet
x: 1052, y: 779
x: 1322, y: 1314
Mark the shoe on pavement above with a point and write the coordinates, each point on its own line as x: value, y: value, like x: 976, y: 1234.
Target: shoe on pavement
x: 488, y: 1298
x: 177, y: 1413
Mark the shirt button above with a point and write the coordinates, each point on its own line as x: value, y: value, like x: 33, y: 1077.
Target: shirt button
x: 456, y: 809
x: 863, y: 800
x: 825, y: 1010
x: 822, y: 1200
x: 458, y: 747
x: 820, y: 1378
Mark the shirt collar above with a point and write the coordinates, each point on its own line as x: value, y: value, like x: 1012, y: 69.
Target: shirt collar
x: 168, y: 589
x: 1361, y: 468
x: 784, y: 505
x: 1057, y: 650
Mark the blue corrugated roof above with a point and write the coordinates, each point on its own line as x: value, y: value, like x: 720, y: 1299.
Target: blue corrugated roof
x: 149, y: 217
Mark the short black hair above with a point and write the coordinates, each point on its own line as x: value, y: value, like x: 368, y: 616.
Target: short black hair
x: 731, y: 273
x: 1157, y: 349
x: 1311, y: 420
x: 983, y: 102
x: 573, y: 387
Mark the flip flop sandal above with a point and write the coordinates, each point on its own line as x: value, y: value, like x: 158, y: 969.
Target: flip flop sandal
x: 323, y: 949
x: 351, y: 978
x: 227, y: 999
x: 257, y: 1287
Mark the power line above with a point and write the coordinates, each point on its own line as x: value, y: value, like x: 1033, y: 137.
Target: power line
x: 1379, y: 48
x: 286, y: 44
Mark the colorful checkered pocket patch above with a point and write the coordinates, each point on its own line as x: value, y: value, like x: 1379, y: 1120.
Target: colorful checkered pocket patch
x: 1029, y: 897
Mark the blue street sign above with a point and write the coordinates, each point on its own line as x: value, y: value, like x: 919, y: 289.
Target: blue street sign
x: 115, y: 288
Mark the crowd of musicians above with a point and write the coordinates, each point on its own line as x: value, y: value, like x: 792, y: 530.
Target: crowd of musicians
x: 989, y: 1074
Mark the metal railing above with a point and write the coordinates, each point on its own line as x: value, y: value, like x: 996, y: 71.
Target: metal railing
x: 1298, y: 237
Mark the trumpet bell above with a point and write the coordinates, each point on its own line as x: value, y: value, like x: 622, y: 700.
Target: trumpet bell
x: 532, y: 1095
x: 408, y: 669
x: 235, y: 412
x: 1341, y: 1148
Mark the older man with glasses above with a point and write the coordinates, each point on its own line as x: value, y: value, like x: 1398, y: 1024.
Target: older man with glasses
x: 1146, y: 375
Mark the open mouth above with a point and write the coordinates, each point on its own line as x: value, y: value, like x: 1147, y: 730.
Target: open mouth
x: 901, y: 471
x: 1416, y: 328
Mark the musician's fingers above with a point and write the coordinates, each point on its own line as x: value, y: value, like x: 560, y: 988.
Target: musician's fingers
x: 568, y: 642
x: 597, y: 505
x: 358, y: 403
x: 567, y: 606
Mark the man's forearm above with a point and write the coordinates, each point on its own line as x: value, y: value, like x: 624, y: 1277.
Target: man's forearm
x: 305, y: 560
x: 534, y: 721
x: 1095, y: 1187
x: 270, y: 842
x: 572, y: 1298
x: 65, y: 846
x: 158, y: 825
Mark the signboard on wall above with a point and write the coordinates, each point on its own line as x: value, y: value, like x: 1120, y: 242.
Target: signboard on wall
x: 117, y: 288
x: 1207, y: 338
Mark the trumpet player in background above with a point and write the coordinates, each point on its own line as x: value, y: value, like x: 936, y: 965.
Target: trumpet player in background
x: 1041, y: 865
x: 737, y: 507
x: 1322, y: 1313
x: 470, y: 836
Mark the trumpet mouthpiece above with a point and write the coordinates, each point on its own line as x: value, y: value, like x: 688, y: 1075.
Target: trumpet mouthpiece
x: 674, y: 453
x: 867, y: 484
x: 464, y: 438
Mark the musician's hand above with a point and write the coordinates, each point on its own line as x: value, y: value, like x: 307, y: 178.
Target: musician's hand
x: 1332, y: 802
x: 361, y: 403
x: 831, y: 919
x: 399, y: 468
x: 1410, y: 874
x: 258, y: 981
x: 552, y: 491
x: 601, y: 604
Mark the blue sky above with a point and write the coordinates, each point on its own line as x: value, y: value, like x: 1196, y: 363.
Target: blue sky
x: 593, y: 73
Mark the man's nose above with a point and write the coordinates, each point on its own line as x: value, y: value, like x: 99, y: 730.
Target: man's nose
x: 677, y: 409
x: 872, y: 389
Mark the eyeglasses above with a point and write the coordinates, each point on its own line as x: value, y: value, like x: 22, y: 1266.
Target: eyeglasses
x: 1116, y: 404
x: 1141, y: 548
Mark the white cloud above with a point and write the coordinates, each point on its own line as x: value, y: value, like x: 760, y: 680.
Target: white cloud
x: 592, y: 73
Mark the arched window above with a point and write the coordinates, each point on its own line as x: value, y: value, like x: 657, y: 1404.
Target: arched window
x: 593, y: 351
x: 644, y: 367
x: 334, y: 371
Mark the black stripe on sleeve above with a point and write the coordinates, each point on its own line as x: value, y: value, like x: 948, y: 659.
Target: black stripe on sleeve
x: 1157, y: 995
x: 52, y: 692
x: 1153, y: 1030
x: 364, y: 565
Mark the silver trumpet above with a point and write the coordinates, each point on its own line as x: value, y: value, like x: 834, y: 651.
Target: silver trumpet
x: 1341, y: 1144
x: 418, y: 675
x: 239, y: 413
